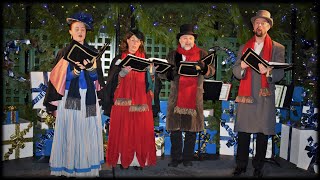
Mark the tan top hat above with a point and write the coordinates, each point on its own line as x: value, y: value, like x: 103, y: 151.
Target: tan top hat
x: 263, y: 14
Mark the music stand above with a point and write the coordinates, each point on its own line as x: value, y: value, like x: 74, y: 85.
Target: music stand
x: 212, y: 91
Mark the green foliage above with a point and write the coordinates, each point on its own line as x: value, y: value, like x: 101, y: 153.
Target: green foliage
x: 214, y: 121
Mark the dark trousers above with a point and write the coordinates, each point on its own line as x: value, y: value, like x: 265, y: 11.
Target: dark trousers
x: 242, y: 156
x: 156, y: 99
x: 177, y: 152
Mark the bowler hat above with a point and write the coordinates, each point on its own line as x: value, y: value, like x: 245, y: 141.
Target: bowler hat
x: 138, y: 34
x: 82, y: 17
x: 263, y: 14
x: 186, y: 29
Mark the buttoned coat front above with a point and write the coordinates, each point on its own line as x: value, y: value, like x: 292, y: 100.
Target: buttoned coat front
x: 259, y: 116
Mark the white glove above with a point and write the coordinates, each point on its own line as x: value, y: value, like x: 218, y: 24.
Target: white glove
x: 124, y: 71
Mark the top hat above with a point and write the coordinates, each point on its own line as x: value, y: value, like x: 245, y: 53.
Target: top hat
x: 186, y: 29
x: 138, y: 34
x: 263, y: 14
x: 82, y: 17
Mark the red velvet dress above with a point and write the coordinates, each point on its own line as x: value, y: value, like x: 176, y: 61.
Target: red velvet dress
x: 131, y: 139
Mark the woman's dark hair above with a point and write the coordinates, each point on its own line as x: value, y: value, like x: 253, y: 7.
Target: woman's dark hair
x: 124, y: 44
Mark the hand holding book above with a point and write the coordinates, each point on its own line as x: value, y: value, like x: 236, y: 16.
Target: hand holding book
x: 141, y: 64
x: 253, y: 59
x: 83, y: 56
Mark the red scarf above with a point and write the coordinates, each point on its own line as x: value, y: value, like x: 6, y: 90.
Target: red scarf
x: 187, y: 88
x: 129, y: 92
x: 244, y: 93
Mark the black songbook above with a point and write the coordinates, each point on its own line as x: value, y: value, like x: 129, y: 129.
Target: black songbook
x: 78, y: 52
x: 253, y: 59
x: 136, y: 63
x: 163, y: 65
x: 188, y: 69
x: 208, y: 59
x: 212, y: 89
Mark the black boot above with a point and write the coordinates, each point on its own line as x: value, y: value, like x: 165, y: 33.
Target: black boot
x: 174, y: 163
x: 137, y: 167
x: 238, y: 171
x: 187, y: 163
x: 257, y: 173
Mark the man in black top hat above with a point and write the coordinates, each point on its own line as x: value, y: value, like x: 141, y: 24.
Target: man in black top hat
x: 185, y: 102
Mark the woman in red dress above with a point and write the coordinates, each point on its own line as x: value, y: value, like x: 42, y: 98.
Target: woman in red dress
x: 131, y: 132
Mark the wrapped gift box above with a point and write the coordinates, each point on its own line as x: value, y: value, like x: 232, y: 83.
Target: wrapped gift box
x: 12, y: 117
x: 162, y: 119
x: 207, y: 144
x: 159, y: 131
x: 309, y: 117
x: 304, y: 139
x: 206, y: 114
x: 39, y: 85
x: 282, y: 115
x: 295, y: 113
x: 163, y: 107
x: 162, y: 114
x: 17, y: 140
x: 297, y: 94
x: 228, y: 111
x: 43, y: 142
x: 228, y: 138
x: 159, y: 145
x: 167, y: 145
x: 285, y: 141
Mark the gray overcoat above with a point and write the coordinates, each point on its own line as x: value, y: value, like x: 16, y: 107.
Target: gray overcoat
x: 180, y: 121
x: 259, y: 116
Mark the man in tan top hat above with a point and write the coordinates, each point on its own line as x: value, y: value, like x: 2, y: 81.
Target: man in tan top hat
x: 256, y: 100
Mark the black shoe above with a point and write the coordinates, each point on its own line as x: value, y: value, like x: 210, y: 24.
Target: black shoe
x: 187, y: 163
x: 239, y: 171
x: 137, y: 167
x: 121, y: 167
x: 257, y: 173
x: 173, y: 163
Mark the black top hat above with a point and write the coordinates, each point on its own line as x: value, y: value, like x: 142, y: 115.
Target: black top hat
x: 138, y: 34
x: 82, y: 17
x: 186, y: 29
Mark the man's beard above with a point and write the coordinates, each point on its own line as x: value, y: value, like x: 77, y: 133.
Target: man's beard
x: 258, y: 33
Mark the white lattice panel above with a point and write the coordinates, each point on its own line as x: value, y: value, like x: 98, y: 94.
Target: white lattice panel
x: 109, y: 54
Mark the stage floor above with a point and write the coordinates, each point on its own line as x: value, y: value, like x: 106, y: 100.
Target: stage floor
x: 220, y: 166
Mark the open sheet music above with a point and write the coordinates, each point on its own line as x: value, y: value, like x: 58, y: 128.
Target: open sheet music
x: 253, y: 59
x: 216, y: 90
x: 141, y: 64
x: 78, y: 52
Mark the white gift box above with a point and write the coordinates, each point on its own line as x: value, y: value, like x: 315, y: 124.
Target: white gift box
x: 298, y: 154
x: 8, y: 133
x: 231, y: 150
x: 224, y: 138
x: 305, y: 110
x: 208, y: 112
x: 159, y: 145
x: 39, y: 84
x: 285, y: 141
